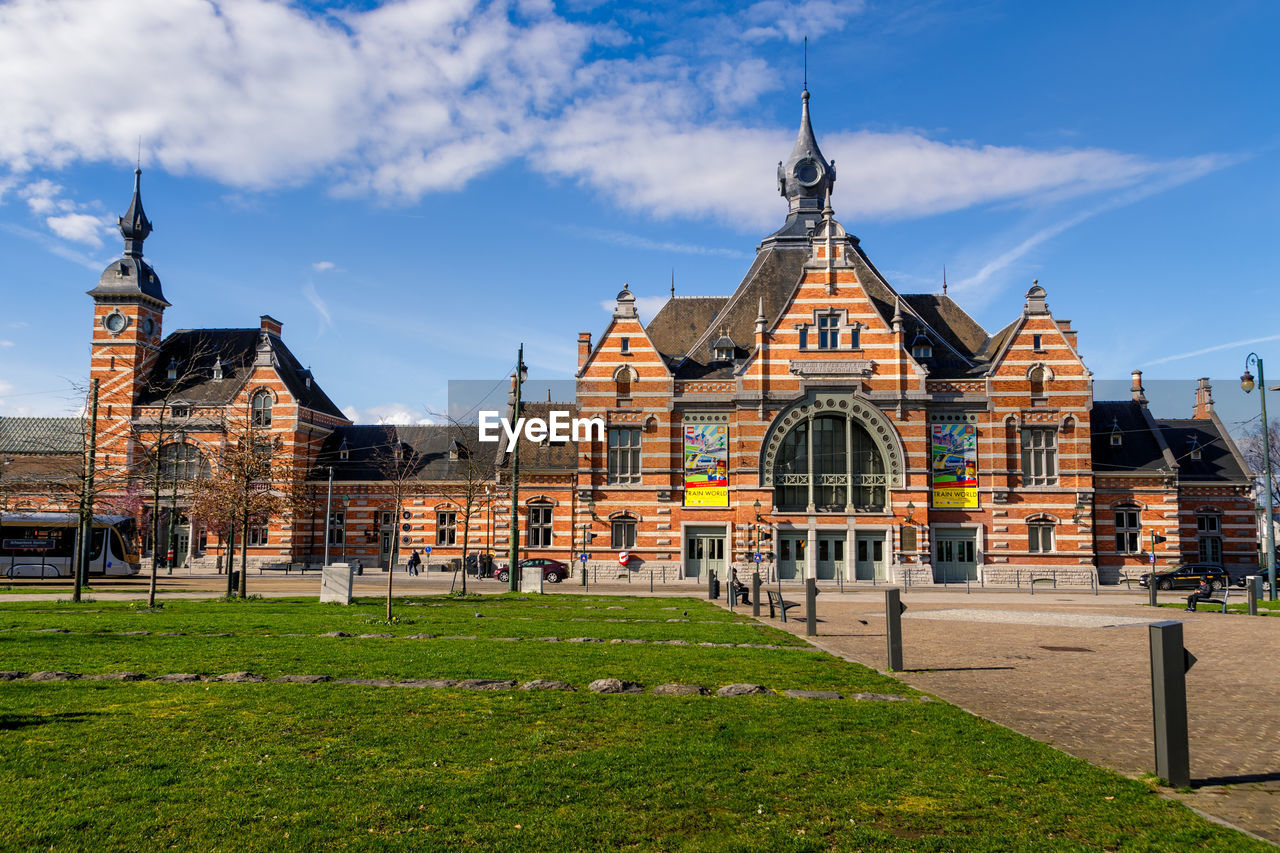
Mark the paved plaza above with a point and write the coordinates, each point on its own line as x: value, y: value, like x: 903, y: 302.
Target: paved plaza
x: 1067, y: 668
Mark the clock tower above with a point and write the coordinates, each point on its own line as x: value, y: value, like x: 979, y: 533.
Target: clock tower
x: 128, y: 307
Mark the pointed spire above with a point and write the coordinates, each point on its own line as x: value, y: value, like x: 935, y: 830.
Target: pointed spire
x: 760, y: 319
x: 134, y: 225
x: 673, y: 282
x: 806, y: 174
x: 944, y: 279
x: 897, y: 316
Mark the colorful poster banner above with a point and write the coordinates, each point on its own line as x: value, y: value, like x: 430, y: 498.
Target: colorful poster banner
x: 954, y: 474
x: 706, y: 465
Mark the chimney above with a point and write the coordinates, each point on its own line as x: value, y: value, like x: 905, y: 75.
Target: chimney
x: 271, y: 325
x: 584, y: 348
x: 1204, y: 400
x: 1136, y: 390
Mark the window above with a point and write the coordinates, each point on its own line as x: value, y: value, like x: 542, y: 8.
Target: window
x: 540, y: 525
x: 257, y: 534
x: 180, y: 411
x: 1128, y: 529
x: 1209, y: 535
x: 624, y: 533
x: 622, y: 385
x: 1039, y: 456
x: 626, y: 346
x: 624, y: 456
x: 179, y: 462
x: 446, y: 528
x: 1035, y: 343
x: 840, y: 475
x: 1040, y: 537
x: 1037, y: 377
x: 921, y: 347
x: 828, y: 331
x: 804, y: 337
x: 337, y: 527
x: 261, y: 408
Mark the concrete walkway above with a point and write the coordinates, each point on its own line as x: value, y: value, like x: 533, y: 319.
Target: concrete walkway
x: 1073, y: 670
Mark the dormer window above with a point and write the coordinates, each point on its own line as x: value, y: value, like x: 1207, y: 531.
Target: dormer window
x: 180, y: 411
x: 1195, y: 448
x: 172, y: 371
x: 344, y: 452
x: 1117, y: 437
x: 458, y: 450
x: 217, y: 368
x: 922, y: 347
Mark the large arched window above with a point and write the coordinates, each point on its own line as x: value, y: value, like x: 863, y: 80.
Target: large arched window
x: 261, y: 408
x: 831, y: 463
x: 180, y: 462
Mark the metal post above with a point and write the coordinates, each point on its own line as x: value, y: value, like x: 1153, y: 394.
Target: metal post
x: 810, y: 607
x: 513, y: 571
x: 755, y: 593
x: 1169, y: 665
x: 711, y: 584
x: 1268, y: 526
x: 328, y: 513
x: 1253, y: 584
x: 1151, y: 591
x: 893, y: 608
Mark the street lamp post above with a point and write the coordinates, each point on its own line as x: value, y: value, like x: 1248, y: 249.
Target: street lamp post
x: 328, y: 515
x: 1268, y: 527
x: 179, y: 439
x: 346, y: 503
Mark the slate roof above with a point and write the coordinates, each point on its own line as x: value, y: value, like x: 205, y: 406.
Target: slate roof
x: 369, y: 447
x: 42, y: 435
x: 196, y: 350
x: 1217, y: 462
x: 680, y: 322
x: 545, y: 456
x: 1139, y: 451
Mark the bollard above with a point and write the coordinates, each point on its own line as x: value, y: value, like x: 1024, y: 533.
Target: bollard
x: 810, y: 607
x: 651, y: 581
x: 710, y: 585
x: 1254, y: 584
x: 893, y: 608
x: 1151, y: 592
x: 966, y: 583
x: 1169, y: 665
x: 755, y: 593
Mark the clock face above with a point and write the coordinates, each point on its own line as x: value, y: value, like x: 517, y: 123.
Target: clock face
x: 808, y: 172
x: 148, y: 326
x: 115, y: 322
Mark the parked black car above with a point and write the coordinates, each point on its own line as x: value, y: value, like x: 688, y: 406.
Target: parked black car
x: 553, y: 571
x: 1187, y: 576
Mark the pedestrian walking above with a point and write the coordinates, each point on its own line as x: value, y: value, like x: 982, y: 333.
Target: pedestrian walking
x: 414, y: 562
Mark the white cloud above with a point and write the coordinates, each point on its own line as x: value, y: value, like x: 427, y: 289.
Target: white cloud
x: 422, y: 96
x: 6, y: 343
x: 1215, y: 348
x: 396, y: 414
x: 634, y: 241
x: 323, y: 266
x: 309, y: 291
x: 80, y: 227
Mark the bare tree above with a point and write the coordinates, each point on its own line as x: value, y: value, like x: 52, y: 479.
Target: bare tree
x: 1250, y: 445
x: 399, y: 463
x: 468, y: 482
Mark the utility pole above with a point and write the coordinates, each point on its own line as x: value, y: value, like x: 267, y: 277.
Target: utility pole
x: 86, y: 502
x: 513, y: 582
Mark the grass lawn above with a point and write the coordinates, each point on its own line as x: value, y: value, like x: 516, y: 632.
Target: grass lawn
x: 218, y: 766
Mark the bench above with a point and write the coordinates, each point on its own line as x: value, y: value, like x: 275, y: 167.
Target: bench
x: 280, y: 567
x: 775, y: 601
x: 1218, y: 596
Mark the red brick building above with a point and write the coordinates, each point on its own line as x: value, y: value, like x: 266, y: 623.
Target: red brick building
x: 814, y: 416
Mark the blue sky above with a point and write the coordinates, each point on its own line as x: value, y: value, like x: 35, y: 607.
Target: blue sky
x: 414, y: 188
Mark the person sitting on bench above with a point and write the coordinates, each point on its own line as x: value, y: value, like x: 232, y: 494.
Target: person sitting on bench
x: 736, y: 588
x: 1203, y: 593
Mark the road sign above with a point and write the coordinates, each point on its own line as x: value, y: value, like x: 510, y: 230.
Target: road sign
x: 426, y: 549
x: 623, y: 557
x: 759, y: 557
x: 583, y: 557
x: 1153, y: 559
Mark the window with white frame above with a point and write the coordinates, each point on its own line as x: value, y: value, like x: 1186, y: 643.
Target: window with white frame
x: 624, y: 533
x: 624, y: 455
x: 257, y: 534
x: 1209, y: 536
x: 1128, y: 529
x: 261, y: 408
x: 446, y: 528
x: 337, y: 527
x: 1040, y: 537
x: 540, y: 525
x: 1039, y: 456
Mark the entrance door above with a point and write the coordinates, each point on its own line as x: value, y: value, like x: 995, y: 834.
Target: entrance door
x: 791, y: 555
x: 181, y: 545
x: 955, y: 556
x: 830, y: 556
x: 704, y: 551
x: 869, y: 557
